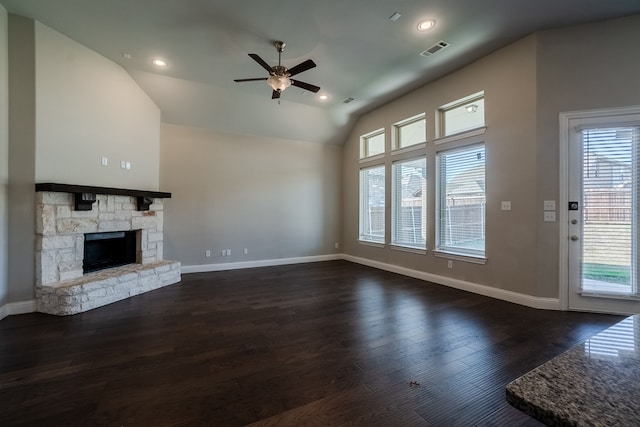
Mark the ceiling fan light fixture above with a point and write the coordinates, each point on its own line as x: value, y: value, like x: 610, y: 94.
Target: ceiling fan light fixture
x: 279, y: 83
x: 426, y: 25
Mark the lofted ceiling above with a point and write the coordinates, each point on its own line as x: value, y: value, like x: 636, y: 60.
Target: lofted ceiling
x: 360, y: 53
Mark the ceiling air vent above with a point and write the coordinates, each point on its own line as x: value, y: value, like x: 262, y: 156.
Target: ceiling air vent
x: 348, y: 100
x: 435, y: 48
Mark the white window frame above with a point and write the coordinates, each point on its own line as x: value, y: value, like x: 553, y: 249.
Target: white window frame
x: 396, y: 139
x: 441, y: 126
x: 365, y: 236
x: 448, y: 251
x: 396, y: 198
x: 364, y: 145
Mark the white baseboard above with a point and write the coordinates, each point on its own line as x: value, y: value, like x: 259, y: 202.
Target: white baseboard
x: 29, y: 306
x: 501, y: 294
x: 20, y: 307
x: 260, y: 263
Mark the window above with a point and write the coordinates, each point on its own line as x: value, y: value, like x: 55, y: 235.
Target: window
x: 372, y: 198
x: 462, y: 115
x: 410, y: 132
x: 409, y: 214
x: 461, y: 201
x: 372, y: 144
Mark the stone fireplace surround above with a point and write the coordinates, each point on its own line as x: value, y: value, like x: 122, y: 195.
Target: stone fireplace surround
x: 61, y: 286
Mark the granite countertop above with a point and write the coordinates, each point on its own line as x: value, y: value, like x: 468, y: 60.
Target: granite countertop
x: 594, y: 384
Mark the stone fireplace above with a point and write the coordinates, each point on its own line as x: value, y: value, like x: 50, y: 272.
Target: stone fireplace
x: 119, y: 232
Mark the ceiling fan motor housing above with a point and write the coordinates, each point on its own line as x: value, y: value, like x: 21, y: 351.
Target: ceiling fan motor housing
x: 279, y: 70
x: 279, y: 75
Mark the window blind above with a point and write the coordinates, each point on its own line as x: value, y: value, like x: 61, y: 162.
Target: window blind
x: 372, y: 204
x: 461, y: 198
x: 610, y: 182
x: 409, y: 214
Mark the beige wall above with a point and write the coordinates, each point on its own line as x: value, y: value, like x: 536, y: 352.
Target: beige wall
x: 508, y: 79
x: 68, y: 107
x: 89, y: 107
x: 580, y: 68
x: 278, y: 198
x: 527, y: 85
x: 4, y: 155
x: 22, y: 98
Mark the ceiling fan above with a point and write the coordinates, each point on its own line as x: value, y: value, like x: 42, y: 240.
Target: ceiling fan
x: 279, y: 76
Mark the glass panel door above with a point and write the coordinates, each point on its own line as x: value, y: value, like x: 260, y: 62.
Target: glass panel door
x: 603, y: 265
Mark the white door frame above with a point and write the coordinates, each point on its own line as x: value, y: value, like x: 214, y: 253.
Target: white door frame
x: 566, y: 128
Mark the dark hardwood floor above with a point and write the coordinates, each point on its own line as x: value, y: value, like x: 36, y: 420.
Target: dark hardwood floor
x: 322, y: 344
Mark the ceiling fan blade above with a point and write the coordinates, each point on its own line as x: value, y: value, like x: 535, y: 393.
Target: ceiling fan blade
x: 261, y: 61
x: 304, y: 66
x: 305, y: 86
x: 275, y: 95
x: 250, y: 80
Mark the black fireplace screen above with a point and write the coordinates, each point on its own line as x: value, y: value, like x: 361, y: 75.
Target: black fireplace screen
x: 110, y: 249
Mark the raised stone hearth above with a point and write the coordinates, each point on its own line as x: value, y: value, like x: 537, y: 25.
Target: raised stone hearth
x: 106, y: 286
x: 61, y: 286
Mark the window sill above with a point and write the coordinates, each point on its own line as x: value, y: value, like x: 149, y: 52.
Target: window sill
x: 461, y: 257
x: 372, y: 158
x: 460, y: 135
x: 408, y: 249
x: 610, y: 296
x: 409, y: 149
x: 370, y: 243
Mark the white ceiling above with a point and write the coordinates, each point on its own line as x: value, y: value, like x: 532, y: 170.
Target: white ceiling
x: 360, y: 53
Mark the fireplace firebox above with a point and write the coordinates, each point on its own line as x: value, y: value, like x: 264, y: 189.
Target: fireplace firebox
x: 108, y: 249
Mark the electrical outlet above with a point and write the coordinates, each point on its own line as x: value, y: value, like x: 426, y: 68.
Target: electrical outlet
x: 105, y: 161
x: 228, y: 252
x: 505, y: 205
x: 246, y: 251
x: 123, y: 164
x: 450, y: 264
x: 549, y: 205
x: 127, y: 165
x: 336, y: 245
x: 550, y: 217
x: 207, y: 253
x: 224, y: 252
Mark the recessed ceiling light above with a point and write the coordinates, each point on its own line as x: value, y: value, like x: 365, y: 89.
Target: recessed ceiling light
x: 126, y: 55
x: 159, y: 62
x: 426, y: 25
x: 323, y: 97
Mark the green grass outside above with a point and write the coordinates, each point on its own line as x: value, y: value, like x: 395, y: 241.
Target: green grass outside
x: 607, y: 273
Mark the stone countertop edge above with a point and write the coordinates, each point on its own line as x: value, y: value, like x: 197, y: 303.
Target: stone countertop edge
x: 579, y: 387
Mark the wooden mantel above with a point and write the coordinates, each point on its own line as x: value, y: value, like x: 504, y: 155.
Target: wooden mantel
x: 85, y: 195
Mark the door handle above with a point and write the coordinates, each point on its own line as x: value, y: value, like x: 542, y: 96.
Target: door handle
x: 574, y: 238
